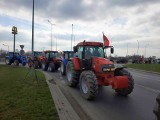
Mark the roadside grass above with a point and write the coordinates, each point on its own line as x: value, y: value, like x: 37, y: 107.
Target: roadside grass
x: 24, y: 99
x: 147, y: 67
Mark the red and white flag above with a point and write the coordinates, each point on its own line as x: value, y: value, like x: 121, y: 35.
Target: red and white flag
x: 105, y: 40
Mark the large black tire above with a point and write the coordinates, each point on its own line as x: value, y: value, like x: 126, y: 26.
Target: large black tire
x: 62, y: 69
x: 88, y: 85
x: 16, y: 62
x: 72, y: 75
x: 39, y: 64
x: 7, y: 61
x: 35, y: 65
x: 44, y: 66
x: 51, y: 67
x: 157, y: 107
x: 126, y: 91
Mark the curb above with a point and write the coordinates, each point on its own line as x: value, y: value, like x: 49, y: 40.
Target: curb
x: 144, y: 71
x: 64, y: 108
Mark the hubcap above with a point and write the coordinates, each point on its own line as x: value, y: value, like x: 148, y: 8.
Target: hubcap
x: 69, y: 75
x: 62, y: 67
x: 49, y: 68
x: 43, y: 66
x: 7, y: 61
x: 84, y: 85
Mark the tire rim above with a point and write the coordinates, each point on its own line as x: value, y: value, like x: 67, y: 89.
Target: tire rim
x: 69, y: 75
x: 7, y: 61
x: 84, y: 85
x: 62, y: 68
x: 49, y: 68
x: 43, y: 65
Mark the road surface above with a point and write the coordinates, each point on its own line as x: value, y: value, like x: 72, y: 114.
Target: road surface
x: 110, y: 106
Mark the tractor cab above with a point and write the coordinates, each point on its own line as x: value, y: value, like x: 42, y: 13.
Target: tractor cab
x: 91, y: 52
x: 68, y: 55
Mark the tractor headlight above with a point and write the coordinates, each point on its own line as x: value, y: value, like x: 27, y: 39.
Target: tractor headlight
x: 108, y: 69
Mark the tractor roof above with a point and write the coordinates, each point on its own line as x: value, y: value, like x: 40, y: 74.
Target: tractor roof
x: 67, y: 51
x: 51, y: 51
x: 90, y: 44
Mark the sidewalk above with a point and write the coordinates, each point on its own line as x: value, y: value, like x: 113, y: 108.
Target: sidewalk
x: 64, y: 108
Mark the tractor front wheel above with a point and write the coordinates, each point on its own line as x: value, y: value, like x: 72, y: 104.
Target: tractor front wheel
x: 51, y: 67
x: 8, y: 62
x: 125, y: 91
x: 72, y: 75
x: 88, y: 85
x: 35, y: 65
x: 44, y: 66
x: 62, y: 68
x: 156, y: 110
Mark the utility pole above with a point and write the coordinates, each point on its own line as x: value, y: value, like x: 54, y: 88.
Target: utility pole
x: 14, y: 31
x: 51, y: 32
x: 71, y: 37
x: 138, y: 47
x: 33, y: 31
x: 127, y: 49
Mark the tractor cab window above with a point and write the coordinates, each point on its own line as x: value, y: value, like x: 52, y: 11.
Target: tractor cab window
x: 53, y: 55
x: 66, y: 56
x: 91, y: 51
x: 79, y: 53
x: 71, y: 55
x: 98, y: 52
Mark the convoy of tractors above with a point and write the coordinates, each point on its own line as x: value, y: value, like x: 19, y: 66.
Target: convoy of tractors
x: 85, y: 66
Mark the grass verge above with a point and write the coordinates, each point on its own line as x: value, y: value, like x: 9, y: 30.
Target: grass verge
x: 24, y: 99
x: 147, y: 67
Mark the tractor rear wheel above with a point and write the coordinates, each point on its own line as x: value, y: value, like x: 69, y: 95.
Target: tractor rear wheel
x: 44, y: 66
x: 35, y: 65
x: 16, y: 62
x: 72, y: 75
x: 126, y: 91
x: 51, y: 67
x: 62, y: 68
x: 8, y: 62
x: 88, y: 85
x: 157, y: 107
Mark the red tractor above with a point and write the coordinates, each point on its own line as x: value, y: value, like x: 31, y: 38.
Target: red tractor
x: 91, y: 70
x: 50, y: 61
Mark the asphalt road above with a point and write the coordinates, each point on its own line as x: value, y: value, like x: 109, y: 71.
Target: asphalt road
x: 110, y: 106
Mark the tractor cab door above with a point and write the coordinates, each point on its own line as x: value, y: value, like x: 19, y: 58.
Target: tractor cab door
x: 85, y: 58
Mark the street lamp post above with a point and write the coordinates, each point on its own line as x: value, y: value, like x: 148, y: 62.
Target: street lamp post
x: 71, y: 37
x: 51, y: 32
x: 145, y: 49
x: 138, y: 47
x: 127, y: 49
x: 7, y: 46
x: 14, y: 31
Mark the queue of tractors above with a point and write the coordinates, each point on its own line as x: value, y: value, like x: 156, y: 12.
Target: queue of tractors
x: 87, y: 67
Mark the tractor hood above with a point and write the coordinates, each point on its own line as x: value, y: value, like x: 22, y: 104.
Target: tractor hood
x: 101, y: 64
x: 101, y: 60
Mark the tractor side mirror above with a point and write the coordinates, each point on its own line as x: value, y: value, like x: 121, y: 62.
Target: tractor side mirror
x: 75, y: 49
x: 112, y: 50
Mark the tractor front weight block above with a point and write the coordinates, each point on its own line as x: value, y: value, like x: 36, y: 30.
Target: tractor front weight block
x: 119, y: 82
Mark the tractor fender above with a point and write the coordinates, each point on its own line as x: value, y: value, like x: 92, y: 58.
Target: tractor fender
x: 76, y: 63
x: 118, y: 67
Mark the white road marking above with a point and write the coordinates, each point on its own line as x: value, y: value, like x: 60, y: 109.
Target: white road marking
x: 150, y: 89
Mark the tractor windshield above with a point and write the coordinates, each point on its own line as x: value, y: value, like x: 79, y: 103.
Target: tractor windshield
x: 91, y: 51
x: 37, y: 54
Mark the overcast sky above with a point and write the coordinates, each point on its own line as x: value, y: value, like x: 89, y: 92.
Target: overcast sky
x: 124, y: 22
